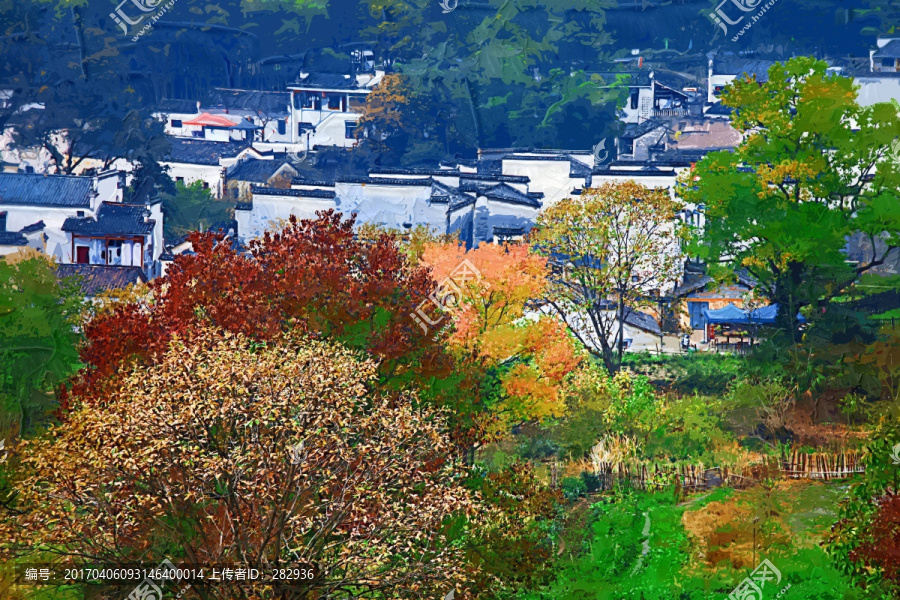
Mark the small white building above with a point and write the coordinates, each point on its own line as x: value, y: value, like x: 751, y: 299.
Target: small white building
x: 123, y: 235
x: 192, y: 160
x: 326, y: 107
x: 46, y: 201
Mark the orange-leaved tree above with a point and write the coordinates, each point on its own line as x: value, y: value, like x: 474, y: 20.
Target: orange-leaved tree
x: 230, y: 450
x: 497, y: 332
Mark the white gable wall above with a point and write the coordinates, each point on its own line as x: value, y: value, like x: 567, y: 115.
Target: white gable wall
x: 551, y: 177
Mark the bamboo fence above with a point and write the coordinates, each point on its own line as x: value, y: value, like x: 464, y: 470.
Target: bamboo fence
x: 695, y: 477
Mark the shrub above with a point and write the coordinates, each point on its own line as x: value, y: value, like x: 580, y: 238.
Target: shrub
x: 573, y: 488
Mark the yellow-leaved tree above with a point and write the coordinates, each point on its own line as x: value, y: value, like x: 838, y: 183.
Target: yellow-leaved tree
x: 265, y: 454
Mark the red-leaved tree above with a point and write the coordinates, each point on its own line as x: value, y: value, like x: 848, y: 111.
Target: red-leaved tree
x: 312, y: 276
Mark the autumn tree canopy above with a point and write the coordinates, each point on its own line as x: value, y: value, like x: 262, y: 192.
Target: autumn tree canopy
x: 266, y: 454
x: 313, y: 276
x: 495, y: 329
x: 610, y: 249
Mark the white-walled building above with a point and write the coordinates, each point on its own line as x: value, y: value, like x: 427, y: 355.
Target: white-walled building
x: 192, y: 160
x: 80, y: 220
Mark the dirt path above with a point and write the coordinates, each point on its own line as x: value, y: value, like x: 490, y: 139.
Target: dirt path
x: 646, y: 544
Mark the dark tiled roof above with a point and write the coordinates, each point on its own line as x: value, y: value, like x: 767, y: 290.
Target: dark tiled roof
x: 422, y: 182
x: 314, y: 182
x: 509, y: 231
x: 45, y: 190
x: 505, y: 193
x: 635, y: 172
x: 34, y: 227
x: 641, y: 320
x: 295, y: 193
x: 12, y: 238
x: 692, y: 286
x: 632, y: 132
x: 441, y: 193
x: 579, y: 169
x: 258, y: 171
x: 739, y: 66
x: 96, y: 278
x: 336, y: 81
x: 186, y: 107
x: 113, y: 218
x: 698, y: 289
x: 545, y: 158
x: 416, y: 171
x: 506, y: 178
x: 202, y: 152
x: 271, y: 104
x: 889, y: 50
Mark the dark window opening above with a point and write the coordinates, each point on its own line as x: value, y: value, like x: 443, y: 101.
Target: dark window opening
x: 634, y: 98
x: 282, y: 127
x: 887, y: 62
x: 176, y: 122
x: 3, y: 221
x: 334, y: 102
x: 350, y: 129
x: 205, y: 185
x: 82, y: 255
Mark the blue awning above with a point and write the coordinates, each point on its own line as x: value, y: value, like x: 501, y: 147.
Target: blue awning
x: 730, y: 314
x: 733, y: 315
x: 766, y: 315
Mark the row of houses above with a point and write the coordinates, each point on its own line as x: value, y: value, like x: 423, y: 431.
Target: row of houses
x: 83, y: 223
x: 247, y: 146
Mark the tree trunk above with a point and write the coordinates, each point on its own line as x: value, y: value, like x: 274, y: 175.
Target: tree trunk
x: 621, y: 338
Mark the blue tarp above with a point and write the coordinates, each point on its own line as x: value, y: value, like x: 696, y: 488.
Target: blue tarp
x: 766, y: 315
x: 729, y: 314
x: 733, y: 315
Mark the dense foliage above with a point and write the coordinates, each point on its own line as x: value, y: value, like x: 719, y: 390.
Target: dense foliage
x: 230, y: 450
x: 38, y: 340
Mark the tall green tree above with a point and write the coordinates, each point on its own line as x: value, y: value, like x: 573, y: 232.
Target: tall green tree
x: 38, y: 340
x: 814, y: 170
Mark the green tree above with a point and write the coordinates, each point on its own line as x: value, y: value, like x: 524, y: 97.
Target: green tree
x: 815, y: 169
x: 192, y: 208
x: 38, y: 340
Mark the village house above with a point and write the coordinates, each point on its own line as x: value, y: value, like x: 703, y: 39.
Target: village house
x: 192, y: 160
x: 240, y: 177
x: 80, y: 220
